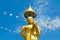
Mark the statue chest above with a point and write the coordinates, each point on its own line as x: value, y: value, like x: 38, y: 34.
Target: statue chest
x: 28, y: 28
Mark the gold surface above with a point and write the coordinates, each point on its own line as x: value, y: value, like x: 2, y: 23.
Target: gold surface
x: 30, y: 12
x: 31, y: 31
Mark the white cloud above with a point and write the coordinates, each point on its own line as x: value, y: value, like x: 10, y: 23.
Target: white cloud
x: 48, y: 22
x: 17, y: 16
x: 5, y: 28
x: 10, y: 14
x: 4, y: 13
x: 14, y: 31
x: 1, y: 27
x: 18, y: 30
x: 9, y: 30
x: 55, y: 23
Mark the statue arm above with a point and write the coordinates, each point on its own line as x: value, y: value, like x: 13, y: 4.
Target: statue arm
x: 37, y: 29
x: 23, y: 30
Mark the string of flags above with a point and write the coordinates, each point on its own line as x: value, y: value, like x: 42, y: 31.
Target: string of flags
x: 11, y: 14
x: 6, y: 29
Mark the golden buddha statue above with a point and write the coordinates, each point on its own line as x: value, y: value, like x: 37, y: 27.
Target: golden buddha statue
x: 30, y: 31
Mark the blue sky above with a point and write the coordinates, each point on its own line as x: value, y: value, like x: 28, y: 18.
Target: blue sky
x: 12, y: 18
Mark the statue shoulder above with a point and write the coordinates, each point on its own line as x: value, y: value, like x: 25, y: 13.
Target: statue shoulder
x: 27, y: 26
x: 38, y: 28
x: 23, y: 27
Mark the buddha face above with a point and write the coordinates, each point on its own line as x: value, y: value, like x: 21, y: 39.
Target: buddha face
x: 30, y: 20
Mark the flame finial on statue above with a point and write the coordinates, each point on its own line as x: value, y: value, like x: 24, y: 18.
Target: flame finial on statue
x: 30, y: 12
